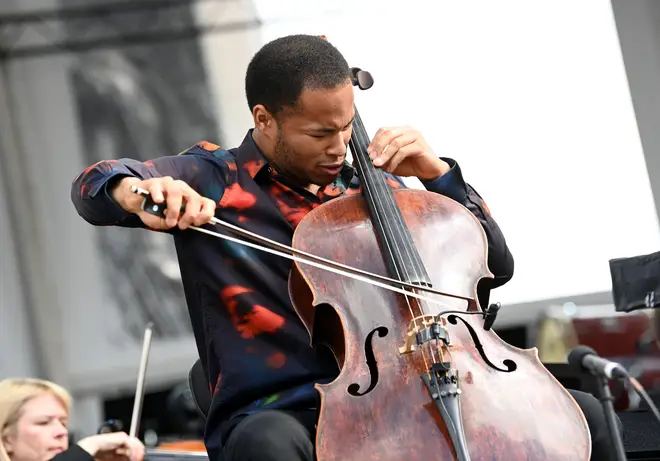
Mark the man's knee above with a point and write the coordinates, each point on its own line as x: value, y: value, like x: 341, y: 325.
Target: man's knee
x: 269, y: 436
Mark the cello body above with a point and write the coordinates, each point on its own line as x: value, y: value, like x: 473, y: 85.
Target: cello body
x: 521, y: 415
x: 420, y: 377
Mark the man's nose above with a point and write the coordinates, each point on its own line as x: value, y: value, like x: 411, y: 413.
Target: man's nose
x: 338, y: 148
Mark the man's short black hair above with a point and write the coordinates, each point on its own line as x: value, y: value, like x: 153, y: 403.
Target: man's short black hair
x: 278, y: 73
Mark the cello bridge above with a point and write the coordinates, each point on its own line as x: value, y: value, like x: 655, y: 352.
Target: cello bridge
x: 423, y: 329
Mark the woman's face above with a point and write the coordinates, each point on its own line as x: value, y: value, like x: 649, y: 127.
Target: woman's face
x: 40, y: 432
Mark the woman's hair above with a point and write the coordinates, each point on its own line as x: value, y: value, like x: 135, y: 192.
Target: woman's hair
x: 14, y: 393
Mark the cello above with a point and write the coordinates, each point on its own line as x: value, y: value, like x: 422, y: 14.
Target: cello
x: 387, y: 280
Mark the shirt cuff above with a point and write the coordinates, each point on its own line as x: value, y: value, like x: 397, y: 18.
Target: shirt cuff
x: 112, y: 209
x: 450, y: 184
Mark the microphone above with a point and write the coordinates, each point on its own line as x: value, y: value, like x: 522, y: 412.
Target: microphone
x: 490, y: 314
x: 586, y: 358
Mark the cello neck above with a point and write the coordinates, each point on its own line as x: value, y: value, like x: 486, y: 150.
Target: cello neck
x: 396, y: 243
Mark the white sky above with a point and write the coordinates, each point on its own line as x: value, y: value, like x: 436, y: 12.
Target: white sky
x: 531, y: 99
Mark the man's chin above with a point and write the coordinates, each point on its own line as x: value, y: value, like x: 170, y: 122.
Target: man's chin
x: 323, y: 181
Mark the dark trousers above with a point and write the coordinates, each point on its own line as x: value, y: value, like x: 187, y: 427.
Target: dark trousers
x: 288, y: 436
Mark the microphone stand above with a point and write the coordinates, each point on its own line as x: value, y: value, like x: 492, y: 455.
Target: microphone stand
x: 606, y: 399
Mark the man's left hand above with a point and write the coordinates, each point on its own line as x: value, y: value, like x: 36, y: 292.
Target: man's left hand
x: 403, y: 151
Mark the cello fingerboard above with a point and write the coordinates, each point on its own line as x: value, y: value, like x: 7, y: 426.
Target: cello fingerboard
x: 401, y: 257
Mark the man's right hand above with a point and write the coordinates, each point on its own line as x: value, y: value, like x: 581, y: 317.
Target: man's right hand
x: 199, y: 210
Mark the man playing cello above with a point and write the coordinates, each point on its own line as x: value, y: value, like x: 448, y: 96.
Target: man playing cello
x: 253, y: 347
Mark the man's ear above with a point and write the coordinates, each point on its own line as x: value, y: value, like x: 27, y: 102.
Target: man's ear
x: 264, y: 121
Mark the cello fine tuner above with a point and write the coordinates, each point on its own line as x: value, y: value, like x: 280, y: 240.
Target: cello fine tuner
x: 451, y: 393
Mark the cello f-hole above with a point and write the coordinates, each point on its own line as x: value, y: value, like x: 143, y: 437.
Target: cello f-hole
x: 354, y: 389
x: 508, y: 363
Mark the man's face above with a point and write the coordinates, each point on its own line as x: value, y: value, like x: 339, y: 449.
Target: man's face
x: 311, y: 139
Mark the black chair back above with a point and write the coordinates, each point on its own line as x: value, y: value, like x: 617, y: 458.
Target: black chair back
x: 199, y: 387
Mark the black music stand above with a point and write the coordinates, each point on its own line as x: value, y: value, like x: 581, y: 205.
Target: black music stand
x: 636, y: 282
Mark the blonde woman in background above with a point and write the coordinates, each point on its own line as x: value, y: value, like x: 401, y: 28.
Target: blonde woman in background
x: 34, y: 418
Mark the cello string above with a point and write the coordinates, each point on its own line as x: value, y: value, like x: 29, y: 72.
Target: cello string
x: 363, y: 158
x: 359, y: 158
x: 417, y: 263
x: 361, y: 133
x: 419, y: 269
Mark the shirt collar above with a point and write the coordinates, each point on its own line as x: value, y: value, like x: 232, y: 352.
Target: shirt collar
x: 250, y: 158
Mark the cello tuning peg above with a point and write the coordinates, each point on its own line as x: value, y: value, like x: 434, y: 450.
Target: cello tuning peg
x: 361, y: 78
